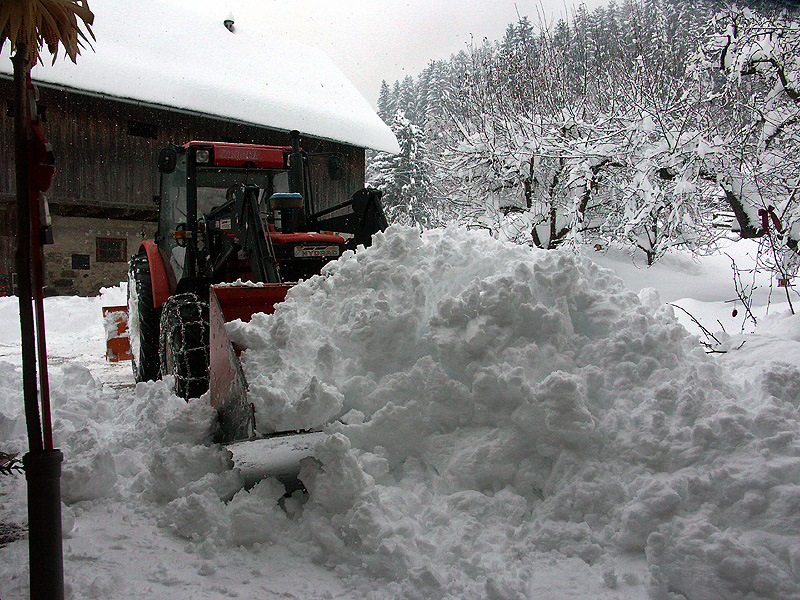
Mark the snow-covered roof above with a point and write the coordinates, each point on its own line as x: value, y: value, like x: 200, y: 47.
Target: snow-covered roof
x: 163, y: 53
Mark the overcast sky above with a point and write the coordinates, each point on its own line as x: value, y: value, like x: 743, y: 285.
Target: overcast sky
x: 373, y: 40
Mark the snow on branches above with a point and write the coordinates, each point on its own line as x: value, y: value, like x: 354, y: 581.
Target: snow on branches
x: 640, y: 124
x: 750, y: 68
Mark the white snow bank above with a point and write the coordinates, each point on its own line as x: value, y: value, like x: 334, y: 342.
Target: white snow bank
x: 680, y: 274
x: 168, y: 54
x: 108, y: 438
x: 144, y: 494
x: 500, y: 403
x: 74, y: 325
x: 515, y: 424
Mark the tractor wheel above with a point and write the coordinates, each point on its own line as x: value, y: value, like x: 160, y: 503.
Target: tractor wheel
x: 183, y: 344
x: 143, y: 319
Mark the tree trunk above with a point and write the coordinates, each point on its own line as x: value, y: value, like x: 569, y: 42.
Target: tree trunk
x: 23, y: 255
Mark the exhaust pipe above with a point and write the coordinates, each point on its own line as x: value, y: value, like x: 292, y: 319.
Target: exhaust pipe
x: 296, y: 166
x: 294, y: 218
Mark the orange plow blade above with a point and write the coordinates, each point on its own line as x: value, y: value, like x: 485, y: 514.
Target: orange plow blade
x: 227, y: 384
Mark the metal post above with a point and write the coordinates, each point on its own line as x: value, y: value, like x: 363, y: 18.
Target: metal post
x: 23, y: 256
x: 43, y: 473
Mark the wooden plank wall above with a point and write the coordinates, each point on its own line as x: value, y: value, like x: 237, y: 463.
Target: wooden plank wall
x: 100, y: 163
x: 8, y: 228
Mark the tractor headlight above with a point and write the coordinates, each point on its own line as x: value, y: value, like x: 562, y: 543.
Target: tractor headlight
x: 202, y: 156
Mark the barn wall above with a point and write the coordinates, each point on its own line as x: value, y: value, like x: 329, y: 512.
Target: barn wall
x: 75, y: 265
x: 106, y: 153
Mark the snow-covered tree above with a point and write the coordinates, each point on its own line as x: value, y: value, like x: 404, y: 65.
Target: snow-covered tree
x: 750, y: 70
x: 403, y: 178
x: 602, y: 126
x: 611, y: 153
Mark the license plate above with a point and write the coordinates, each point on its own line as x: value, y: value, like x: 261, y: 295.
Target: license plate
x: 316, y: 251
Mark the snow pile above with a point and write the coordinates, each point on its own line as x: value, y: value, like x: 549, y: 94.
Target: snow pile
x: 75, y: 326
x: 123, y: 452
x: 512, y: 424
x: 500, y: 403
x: 108, y: 438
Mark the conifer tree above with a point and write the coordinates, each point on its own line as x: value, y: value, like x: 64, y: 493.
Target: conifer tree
x: 601, y: 125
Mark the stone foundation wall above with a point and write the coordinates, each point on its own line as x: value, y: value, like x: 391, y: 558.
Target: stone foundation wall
x: 89, y: 254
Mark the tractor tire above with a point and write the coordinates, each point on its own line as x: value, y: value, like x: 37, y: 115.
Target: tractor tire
x: 183, y: 344
x: 143, y: 320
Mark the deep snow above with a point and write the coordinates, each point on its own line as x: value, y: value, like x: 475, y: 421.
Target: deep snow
x: 513, y: 424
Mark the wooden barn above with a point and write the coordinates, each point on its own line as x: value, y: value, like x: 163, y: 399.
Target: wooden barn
x: 106, y: 132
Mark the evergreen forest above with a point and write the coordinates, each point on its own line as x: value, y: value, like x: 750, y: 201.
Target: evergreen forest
x: 647, y: 124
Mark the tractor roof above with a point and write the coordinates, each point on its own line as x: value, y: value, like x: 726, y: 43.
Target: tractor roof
x: 164, y: 54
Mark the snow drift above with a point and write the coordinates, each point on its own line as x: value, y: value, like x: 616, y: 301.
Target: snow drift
x: 507, y: 424
x: 500, y: 402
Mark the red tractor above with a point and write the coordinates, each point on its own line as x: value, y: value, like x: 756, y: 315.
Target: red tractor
x: 237, y: 228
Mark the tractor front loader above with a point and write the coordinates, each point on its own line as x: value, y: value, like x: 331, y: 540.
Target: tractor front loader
x: 237, y: 229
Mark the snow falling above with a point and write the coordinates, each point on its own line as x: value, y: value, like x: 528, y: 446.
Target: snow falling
x: 501, y: 423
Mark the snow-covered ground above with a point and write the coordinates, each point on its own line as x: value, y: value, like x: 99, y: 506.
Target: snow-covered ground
x: 512, y: 424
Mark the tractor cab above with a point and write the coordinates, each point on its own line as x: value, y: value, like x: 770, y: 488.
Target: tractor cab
x: 238, y: 212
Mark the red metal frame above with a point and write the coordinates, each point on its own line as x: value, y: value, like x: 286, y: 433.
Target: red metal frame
x: 40, y: 170
x: 118, y: 346
x: 243, y: 301
x: 301, y: 237
x: 227, y: 154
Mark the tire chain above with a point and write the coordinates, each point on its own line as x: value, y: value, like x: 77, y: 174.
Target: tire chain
x: 185, y: 320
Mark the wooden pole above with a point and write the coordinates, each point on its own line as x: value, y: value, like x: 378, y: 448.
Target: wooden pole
x: 42, y: 463
x: 23, y: 256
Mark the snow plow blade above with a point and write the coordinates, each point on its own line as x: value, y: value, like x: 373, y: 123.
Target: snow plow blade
x: 227, y: 384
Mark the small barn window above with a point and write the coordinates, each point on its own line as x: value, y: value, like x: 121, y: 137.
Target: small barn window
x: 80, y: 262
x: 145, y: 130
x: 335, y: 167
x: 112, y: 249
